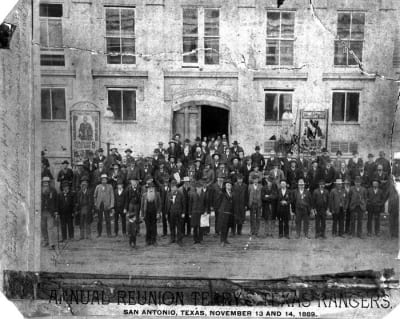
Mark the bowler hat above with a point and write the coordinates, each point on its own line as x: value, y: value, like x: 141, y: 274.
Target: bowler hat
x: 257, y: 148
x: 128, y: 150
x: 120, y: 181
x: 357, y: 179
x: 84, y: 179
x: 172, y: 142
x: 370, y: 155
x: 235, y: 157
x: 216, y: 153
x: 160, y: 143
x: 116, y: 164
x: 65, y: 162
x: 375, y: 180
x: 64, y: 183
x: 100, y: 150
x: 235, y: 143
x: 228, y: 181
x: 339, y: 181
x: 171, y: 156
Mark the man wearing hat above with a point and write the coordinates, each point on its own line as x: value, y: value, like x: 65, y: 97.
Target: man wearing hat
x: 301, y: 206
x: 226, y: 211
x: 365, y: 179
x: 208, y: 175
x: 323, y: 158
x: 186, y: 189
x: 314, y: 176
x: 338, y: 161
x: 357, y: 206
x: 161, y: 175
x: 283, y: 209
x: 84, y: 208
x: 328, y: 174
x: 172, y: 150
x: 338, y: 205
x: 65, y: 174
x: 235, y: 149
x: 116, y: 175
x: 347, y: 189
x: 370, y: 166
x: 133, y: 201
x: 176, y: 212
x: 269, y: 195
x: 222, y: 169
x: 78, y: 175
x: 276, y: 173
x: 234, y: 169
x: 257, y: 158
x: 255, y: 205
x: 177, y: 138
x: 375, y: 202
x: 240, y: 201
x: 320, y: 203
x: 99, y: 156
x: 128, y: 156
x: 90, y: 166
x: 293, y: 175
x: 215, y: 200
x: 151, y: 208
x: 104, y: 203
x: 120, y: 206
x: 49, y: 214
x: 247, y: 169
x: 354, y: 163
x: 384, y: 162
x: 134, y: 171
x: 197, y: 207
x: 383, y: 179
x: 66, y: 208
x: 164, y: 191
x: 113, y: 158
x: 160, y: 150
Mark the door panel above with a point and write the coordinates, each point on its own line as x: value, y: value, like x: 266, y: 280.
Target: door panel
x: 187, y: 122
x: 179, y: 122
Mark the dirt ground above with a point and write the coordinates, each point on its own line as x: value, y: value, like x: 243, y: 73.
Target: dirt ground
x: 245, y: 258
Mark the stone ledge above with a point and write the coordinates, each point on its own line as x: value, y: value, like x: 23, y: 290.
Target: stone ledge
x: 57, y: 72
x: 200, y: 74
x: 346, y: 76
x: 120, y: 74
x: 280, y: 76
x: 155, y: 3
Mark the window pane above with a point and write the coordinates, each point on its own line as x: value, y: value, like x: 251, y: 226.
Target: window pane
x: 58, y: 103
x: 343, y: 26
x: 287, y: 27
x: 52, y: 59
x: 190, y: 22
x: 113, y: 46
x: 286, y: 50
x: 211, y: 22
x: 352, y: 106
x: 129, y: 105
x: 357, y: 47
x: 340, y: 53
x: 357, y: 26
x: 211, y: 46
x: 112, y: 22
x: 271, y: 107
x: 114, y: 101
x: 272, y: 52
x: 190, y: 44
x: 43, y: 33
x: 338, y: 103
x: 128, y: 46
x: 273, y: 20
x: 128, y: 21
x: 50, y: 10
x: 55, y: 33
x: 45, y: 103
x: 285, y: 104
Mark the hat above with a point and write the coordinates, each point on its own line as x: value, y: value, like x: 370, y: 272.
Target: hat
x: 148, y: 178
x: 239, y: 176
x: 198, y: 139
x: 257, y: 148
x: 198, y: 184
x: 100, y: 150
x: 375, y: 180
x: 293, y: 161
x: 186, y: 179
x: 120, y: 181
x: 321, y: 182
x: 314, y: 161
x: 357, y: 179
x: 300, y: 182
x: 339, y: 153
x: 235, y: 143
x: 160, y: 143
x: 84, y: 179
x: 269, y: 178
x: 235, y: 157
x: 103, y: 176
x: 65, y: 162
x: 64, y: 183
x: 370, y: 155
x: 339, y: 181
x: 171, y: 156
x: 45, y: 179
x: 228, y: 181
x: 150, y: 185
x: 128, y: 150
x: 313, y: 153
x: 116, y: 164
x: 178, y: 134
x: 324, y: 150
x: 79, y: 163
x: 114, y: 148
x: 186, y: 141
x: 172, y: 142
x: 216, y: 153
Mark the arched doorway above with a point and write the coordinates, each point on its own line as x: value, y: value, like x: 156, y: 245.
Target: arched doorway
x: 199, y: 120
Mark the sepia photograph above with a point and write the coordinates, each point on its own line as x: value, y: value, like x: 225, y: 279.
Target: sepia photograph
x: 199, y: 158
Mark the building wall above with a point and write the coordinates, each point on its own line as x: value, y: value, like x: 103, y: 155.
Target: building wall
x: 237, y: 83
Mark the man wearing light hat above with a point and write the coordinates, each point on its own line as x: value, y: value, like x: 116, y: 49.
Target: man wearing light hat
x: 320, y: 203
x: 49, y: 215
x: 357, y: 206
x: 185, y: 189
x: 84, y: 208
x: 338, y: 205
x: 197, y: 207
x: 104, y: 203
x: 255, y: 205
x: 301, y: 206
x: 375, y: 207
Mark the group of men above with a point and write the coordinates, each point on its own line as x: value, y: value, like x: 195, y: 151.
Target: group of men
x: 183, y: 185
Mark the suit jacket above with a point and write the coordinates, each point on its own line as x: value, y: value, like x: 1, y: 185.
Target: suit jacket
x: 284, y: 209
x: 301, y: 202
x: 143, y: 204
x: 49, y: 201
x: 216, y: 193
x: 120, y: 200
x: 255, y: 195
x: 358, y: 198
x: 257, y: 158
x: 240, y: 201
x: 66, y: 204
x: 197, y: 207
x: 293, y: 177
x: 375, y: 200
x: 104, y: 194
x: 177, y: 207
x: 320, y: 201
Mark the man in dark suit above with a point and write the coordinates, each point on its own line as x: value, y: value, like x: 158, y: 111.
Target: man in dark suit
x: 133, y: 198
x: 320, y: 202
x: 240, y: 199
x: 293, y: 175
x: 90, y: 166
x: 257, y: 158
x: 164, y: 191
x: 301, y: 206
x: 66, y: 208
x: 357, y: 205
x: 375, y: 204
x: 236, y: 148
x: 383, y: 179
x: 175, y: 209
x: 269, y: 195
x: 338, y: 204
x: 49, y: 215
x: 314, y: 176
x: 283, y: 209
x: 215, y: 200
x: 384, y: 162
x: 120, y: 207
x: 85, y: 208
x: 100, y: 156
x: 65, y: 174
x: 197, y: 207
x: 186, y: 188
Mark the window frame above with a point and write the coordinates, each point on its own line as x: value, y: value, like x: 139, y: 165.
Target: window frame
x: 346, y: 92
x: 201, y: 37
x: 51, y: 88
x: 279, y: 38
x: 106, y: 36
x: 123, y: 89
x: 348, y: 40
x: 279, y: 92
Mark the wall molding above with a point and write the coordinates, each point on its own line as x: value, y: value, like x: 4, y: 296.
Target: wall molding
x: 200, y: 74
x: 120, y: 74
x: 346, y: 76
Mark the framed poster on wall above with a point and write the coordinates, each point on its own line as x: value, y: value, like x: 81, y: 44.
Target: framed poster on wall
x: 85, y: 134
x: 313, y: 130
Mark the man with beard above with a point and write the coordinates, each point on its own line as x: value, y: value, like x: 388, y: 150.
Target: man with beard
x: 338, y: 204
x: 226, y: 211
x: 240, y: 200
x: 84, y: 209
x: 293, y: 175
x: 269, y: 195
x: 283, y: 209
x: 374, y: 207
x: 66, y: 208
x: 65, y: 174
x: 257, y: 158
x: 320, y: 203
x: 49, y: 215
x: 151, y: 208
x: 120, y: 205
x: 134, y: 196
x: 197, y: 207
x: 164, y: 191
x: 357, y: 206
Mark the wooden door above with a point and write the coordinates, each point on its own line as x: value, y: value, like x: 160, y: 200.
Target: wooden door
x: 187, y: 122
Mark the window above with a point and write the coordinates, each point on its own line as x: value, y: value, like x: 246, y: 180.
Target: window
x: 53, y: 104
x: 51, y: 35
x: 350, y: 34
x: 345, y: 106
x: 120, y: 35
x: 280, y: 38
x: 123, y: 104
x: 276, y: 104
x: 200, y: 36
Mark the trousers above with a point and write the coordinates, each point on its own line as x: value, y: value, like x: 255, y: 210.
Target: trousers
x: 106, y: 213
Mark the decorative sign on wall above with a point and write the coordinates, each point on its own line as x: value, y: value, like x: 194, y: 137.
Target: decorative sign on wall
x: 85, y: 133
x: 313, y: 130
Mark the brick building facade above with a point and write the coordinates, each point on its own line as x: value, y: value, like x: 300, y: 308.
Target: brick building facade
x: 201, y: 67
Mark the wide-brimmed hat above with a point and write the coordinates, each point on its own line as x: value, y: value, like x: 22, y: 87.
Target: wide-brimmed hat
x: 65, y: 162
x: 46, y: 179
x: 103, y: 176
x: 339, y: 181
x: 186, y: 179
x: 235, y: 143
x: 216, y: 153
x: 84, y: 179
x: 128, y: 150
x: 257, y: 148
x: 228, y: 181
x: 100, y: 150
x: 357, y: 179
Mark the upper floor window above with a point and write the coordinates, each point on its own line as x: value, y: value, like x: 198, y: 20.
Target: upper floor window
x: 345, y: 106
x: 120, y: 35
x: 350, y: 36
x: 123, y: 104
x: 51, y: 35
x: 280, y: 38
x: 53, y: 104
x: 200, y: 36
x: 278, y: 105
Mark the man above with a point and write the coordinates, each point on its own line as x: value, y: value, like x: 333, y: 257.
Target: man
x: 354, y: 163
x: 134, y: 171
x: 90, y: 166
x: 370, y: 166
x: 208, y: 175
x: 113, y: 158
x: 328, y: 174
x: 66, y: 208
x: 236, y: 148
x: 234, y: 169
x: 179, y: 145
x: 222, y: 169
x: 347, y: 189
x: 46, y: 171
x: 375, y: 202
x: 293, y: 175
x: 302, y: 163
x: 337, y: 163
x: 215, y: 200
x: 338, y: 203
x: 96, y: 180
x: 185, y: 188
x: 257, y: 158
x: 150, y: 209
x: 164, y: 191
x: 49, y: 215
x: 133, y: 199
x: 383, y: 179
x: 246, y: 170
x: 255, y: 173
x: 172, y: 150
x: 100, y: 156
x: 283, y: 162
x: 78, y: 175
x: 176, y: 213
x: 84, y: 208
x: 120, y: 207
x: 384, y: 162
x: 85, y: 130
x: 116, y: 175
x: 343, y: 173
x: 65, y: 174
x: 104, y: 203
x: 255, y: 206
x: 197, y: 207
x: 365, y: 179
x: 357, y: 206
x: 314, y: 176
x: 320, y: 203
x: 269, y: 195
x: 128, y: 156
x: 283, y: 209
x: 323, y: 158
x: 195, y: 146
x: 215, y: 162
x: 160, y: 150
x: 240, y: 201
x: 301, y: 206
x: 226, y: 210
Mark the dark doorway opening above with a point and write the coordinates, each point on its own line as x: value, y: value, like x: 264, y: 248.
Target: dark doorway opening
x: 214, y: 121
